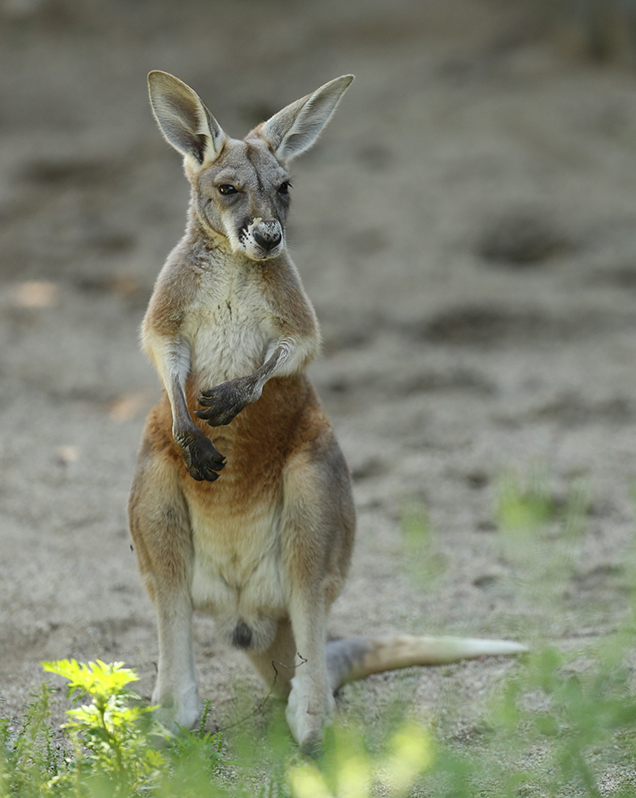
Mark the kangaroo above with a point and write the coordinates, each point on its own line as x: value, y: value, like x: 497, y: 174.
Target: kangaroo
x: 241, y: 503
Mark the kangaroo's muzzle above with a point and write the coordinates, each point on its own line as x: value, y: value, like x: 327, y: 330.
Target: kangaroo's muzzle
x: 267, y: 241
x: 262, y: 239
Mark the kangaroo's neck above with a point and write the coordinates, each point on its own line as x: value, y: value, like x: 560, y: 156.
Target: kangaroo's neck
x: 204, y: 242
x: 204, y: 251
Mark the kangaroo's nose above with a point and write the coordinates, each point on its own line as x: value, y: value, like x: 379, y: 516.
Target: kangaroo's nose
x: 267, y: 239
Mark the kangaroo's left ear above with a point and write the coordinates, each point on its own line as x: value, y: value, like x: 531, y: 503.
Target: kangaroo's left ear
x: 294, y: 129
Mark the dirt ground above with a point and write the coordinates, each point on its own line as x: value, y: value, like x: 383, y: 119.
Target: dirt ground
x: 466, y: 229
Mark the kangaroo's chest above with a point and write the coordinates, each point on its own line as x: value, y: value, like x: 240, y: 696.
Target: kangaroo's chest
x: 226, y: 329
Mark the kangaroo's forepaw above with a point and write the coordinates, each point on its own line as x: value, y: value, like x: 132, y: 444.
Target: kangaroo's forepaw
x: 222, y: 404
x: 202, y: 458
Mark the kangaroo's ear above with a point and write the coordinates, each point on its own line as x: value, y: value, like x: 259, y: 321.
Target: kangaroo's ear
x: 184, y: 119
x: 294, y: 129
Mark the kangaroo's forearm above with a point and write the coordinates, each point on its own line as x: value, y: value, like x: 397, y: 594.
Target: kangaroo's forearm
x: 274, y: 363
x: 173, y: 361
x: 182, y: 423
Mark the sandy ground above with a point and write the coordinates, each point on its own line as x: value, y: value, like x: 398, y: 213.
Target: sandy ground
x: 467, y: 231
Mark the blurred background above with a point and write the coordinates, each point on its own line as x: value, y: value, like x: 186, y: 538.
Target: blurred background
x: 466, y: 228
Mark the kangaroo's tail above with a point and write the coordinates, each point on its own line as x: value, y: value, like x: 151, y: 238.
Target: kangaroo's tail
x: 356, y: 657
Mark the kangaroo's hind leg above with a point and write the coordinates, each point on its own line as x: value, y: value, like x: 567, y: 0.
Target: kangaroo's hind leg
x: 160, y: 528
x: 317, y: 528
x: 300, y: 678
x: 277, y: 664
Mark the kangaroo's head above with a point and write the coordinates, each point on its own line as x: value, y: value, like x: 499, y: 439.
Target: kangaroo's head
x: 240, y: 189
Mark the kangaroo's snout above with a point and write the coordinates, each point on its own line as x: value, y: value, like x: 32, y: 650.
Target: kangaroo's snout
x: 268, y: 240
x: 263, y: 239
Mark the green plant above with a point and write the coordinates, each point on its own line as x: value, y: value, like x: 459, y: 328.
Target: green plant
x: 118, y: 748
x: 541, y: 537
x: 29, y: 758
x: 112, y: 735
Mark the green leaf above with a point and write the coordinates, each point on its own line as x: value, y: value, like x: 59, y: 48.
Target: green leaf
x: 96, y: 679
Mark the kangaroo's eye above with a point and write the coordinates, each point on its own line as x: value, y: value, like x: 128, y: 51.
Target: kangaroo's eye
x: 226, y: 189
x: 284, y: 187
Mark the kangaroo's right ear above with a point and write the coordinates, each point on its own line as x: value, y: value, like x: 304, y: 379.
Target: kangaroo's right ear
x: 184, y: 119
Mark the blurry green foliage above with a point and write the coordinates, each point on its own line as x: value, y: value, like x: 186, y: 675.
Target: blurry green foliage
x: 423, y: 561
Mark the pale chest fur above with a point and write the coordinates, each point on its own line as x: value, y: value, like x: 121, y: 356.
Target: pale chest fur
x: 226, y: 327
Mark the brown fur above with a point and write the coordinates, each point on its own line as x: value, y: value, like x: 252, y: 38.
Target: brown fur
x: 241, y: 504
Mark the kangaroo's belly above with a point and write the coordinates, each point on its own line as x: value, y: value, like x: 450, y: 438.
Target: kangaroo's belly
x: 238, y: 575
